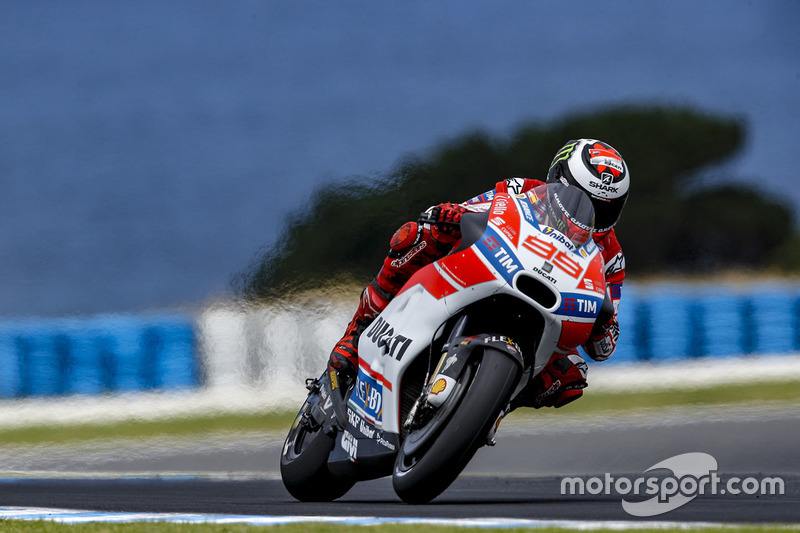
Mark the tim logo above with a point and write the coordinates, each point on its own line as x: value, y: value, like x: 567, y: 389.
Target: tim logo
x: 580, y: 307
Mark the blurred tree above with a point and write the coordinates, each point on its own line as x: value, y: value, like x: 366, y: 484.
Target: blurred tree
x: 724, y: 226
x: 344, y: 231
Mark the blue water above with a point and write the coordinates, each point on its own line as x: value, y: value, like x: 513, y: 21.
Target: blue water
x: 150, y: 150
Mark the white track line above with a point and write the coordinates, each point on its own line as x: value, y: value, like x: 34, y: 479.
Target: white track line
x: 69, y: 516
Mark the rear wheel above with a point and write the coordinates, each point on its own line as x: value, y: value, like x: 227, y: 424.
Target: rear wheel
x: 422, y: 472
x: 304, y: 459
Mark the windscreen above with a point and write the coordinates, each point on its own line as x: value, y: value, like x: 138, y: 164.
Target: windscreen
x: 565, y: 209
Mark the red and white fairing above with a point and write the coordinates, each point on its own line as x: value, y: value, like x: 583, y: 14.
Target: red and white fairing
x: 514, y: 246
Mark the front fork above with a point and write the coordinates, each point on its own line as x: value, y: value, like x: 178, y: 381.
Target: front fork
x: 423, y: 407
x: 456, y: 354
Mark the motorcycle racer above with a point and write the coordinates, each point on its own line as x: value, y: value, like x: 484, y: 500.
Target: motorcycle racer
x: 588, y: 164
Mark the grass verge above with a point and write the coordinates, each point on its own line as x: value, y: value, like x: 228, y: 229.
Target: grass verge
x: 751, y: 394
x: 143, y: 429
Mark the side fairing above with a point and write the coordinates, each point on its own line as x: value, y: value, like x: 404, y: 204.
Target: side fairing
x: 403, y: 331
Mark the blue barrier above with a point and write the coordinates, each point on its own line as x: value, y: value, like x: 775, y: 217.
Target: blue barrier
x: 57, y: 357
x: 97, y: 355
x: 666, y: 322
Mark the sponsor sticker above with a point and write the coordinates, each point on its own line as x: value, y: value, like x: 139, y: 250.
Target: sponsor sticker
x: 580, y: 305
x: 367, y: 397
x: 502, y: 257
x: 358, y: 423
x: 439, y: 386
x: 350, y: 445
x: 382, y: 334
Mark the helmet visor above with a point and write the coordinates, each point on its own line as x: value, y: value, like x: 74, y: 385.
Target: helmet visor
x: 567, y: 210
x: 607, y: 212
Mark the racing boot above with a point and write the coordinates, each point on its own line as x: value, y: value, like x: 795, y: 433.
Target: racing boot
x: 411, y: 247
x: 560, y: 382
x: 344, y: 356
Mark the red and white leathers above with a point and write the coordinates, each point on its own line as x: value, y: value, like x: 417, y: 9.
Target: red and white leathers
x: 434, y: 235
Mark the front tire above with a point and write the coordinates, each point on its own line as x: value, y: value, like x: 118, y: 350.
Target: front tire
x: 426, y: 472
x: 304, y: 459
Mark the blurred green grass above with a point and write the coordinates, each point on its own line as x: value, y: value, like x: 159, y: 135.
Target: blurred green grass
x: 755, y: 393
x: 142, y: 429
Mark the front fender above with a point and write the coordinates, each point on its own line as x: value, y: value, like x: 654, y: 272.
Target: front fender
x: 460, y: 354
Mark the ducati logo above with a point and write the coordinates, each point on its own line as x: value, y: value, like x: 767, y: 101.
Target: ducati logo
x: 382, y: 334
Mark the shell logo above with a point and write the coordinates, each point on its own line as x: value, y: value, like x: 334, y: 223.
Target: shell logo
x: 439, y: 386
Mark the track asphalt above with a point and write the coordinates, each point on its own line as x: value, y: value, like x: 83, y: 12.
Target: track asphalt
x: 519, y: 478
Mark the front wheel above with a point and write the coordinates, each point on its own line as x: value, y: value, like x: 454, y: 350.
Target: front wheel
x: 304, y: 458
x: 427, y: 471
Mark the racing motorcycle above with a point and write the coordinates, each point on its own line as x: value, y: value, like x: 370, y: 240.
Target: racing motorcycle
x: 463, y: 337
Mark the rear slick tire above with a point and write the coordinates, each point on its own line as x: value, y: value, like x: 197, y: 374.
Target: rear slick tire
x: 304, y: 464
x: 425, y: 474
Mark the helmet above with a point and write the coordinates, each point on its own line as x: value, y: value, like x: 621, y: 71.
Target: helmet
x: 598, y: 170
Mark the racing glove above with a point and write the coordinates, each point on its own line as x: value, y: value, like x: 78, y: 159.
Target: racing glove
x: 603, y: 340
x: 560, y: 382
x: 444, y: 220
